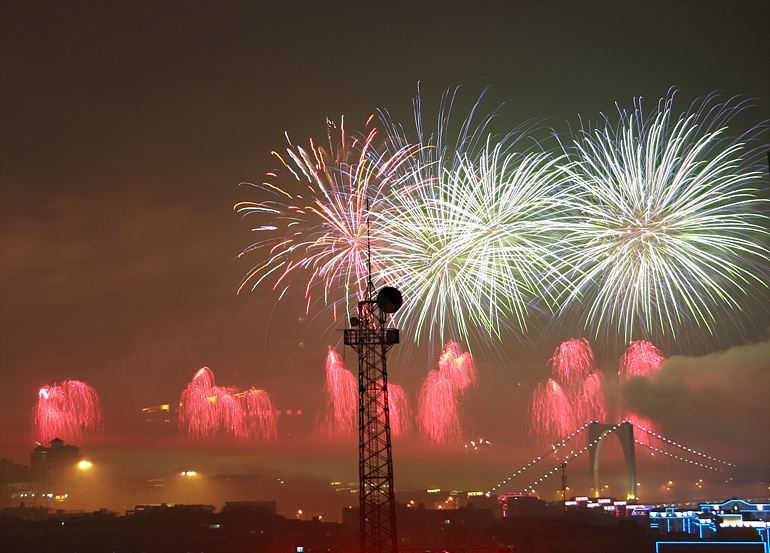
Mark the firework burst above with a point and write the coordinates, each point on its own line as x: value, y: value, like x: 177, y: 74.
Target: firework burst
x: 340, y: 416
x: 477, y: 228
x: 206, y: 410
x: 324, y: 230
x: 573, y: 395
x: 641, y: 360
x: 66, y: 411
x: 668, y: 231
x: 438, y: 404
x: 551, y: 416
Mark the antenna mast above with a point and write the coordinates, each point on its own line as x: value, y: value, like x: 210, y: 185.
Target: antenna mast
x: 371, y: 339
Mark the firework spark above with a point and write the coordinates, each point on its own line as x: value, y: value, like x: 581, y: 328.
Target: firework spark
x: 642, y: 360
x: 670, y: 231
x: 438, y: 408
x: 476, y: 229
x: 66, y: 411
x: 551, y: 415
x: 206, y: 410
x: 340, y: 417
x: 325, y: 229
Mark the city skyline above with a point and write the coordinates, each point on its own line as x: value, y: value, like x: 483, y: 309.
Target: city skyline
x: 127, y: 128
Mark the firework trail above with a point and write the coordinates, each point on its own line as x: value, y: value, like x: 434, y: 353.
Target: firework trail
x: 438, y: 409
x: 572, y: 362
x: 325, y: 229
x: 261, y: 420
x: 551, y: 415
x: 476, y: 229
x: 341, y: 388
x: 591, y: 404
x: 206, y: 410
x: 670, y: 232
x: 641, y: 359
x: 66, y: 411
x: 572, y: 397
x: 399, y: 409
x: 438, y: 416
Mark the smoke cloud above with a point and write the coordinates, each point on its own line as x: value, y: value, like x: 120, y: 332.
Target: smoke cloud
x: 718, y: 403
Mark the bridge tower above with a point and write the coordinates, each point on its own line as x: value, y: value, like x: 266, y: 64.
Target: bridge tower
x: 371, y: 339
x: 625, y: 433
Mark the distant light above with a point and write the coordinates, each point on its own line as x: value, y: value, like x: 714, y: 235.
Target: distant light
x: 83, y: 465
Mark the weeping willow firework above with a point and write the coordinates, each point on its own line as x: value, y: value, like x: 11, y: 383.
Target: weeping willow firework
x: 339, y: 418
x: 207, y: 410
x: 668, y: 230
x: 438, y: 406
x: 66, y: 411
x: 573, y: 396
x: 641, y: 360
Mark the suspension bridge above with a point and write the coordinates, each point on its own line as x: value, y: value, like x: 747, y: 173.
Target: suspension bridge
x: 589, y: 439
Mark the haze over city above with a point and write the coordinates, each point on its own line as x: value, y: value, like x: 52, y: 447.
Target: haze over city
x: 126, y: 129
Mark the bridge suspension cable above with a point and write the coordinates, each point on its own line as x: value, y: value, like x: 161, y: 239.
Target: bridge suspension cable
x: 683, y: 448
x: 553, y: 449
x: 678, y: 458
x: 573, y: 455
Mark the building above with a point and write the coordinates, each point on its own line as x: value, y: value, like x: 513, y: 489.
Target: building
x: 52, y: 470
x: 734, y: 525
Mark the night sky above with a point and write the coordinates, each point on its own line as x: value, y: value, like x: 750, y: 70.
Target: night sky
x: 126, y: 128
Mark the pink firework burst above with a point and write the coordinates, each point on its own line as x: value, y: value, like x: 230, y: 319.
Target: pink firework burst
x: 399, y: 409
x: 572, y: 362
x: 207, y: 410
x: 458, y: 367
x: 551, y: 415
x: 66, y: 411
x: 341, y: 388
x: 438, y: 415
x: 591, y: 404
x: 261, y: 420
x: 642, y: 359
x: 438, y: 409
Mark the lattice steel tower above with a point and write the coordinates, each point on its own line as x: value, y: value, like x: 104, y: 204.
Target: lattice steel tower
x: 371, y: 339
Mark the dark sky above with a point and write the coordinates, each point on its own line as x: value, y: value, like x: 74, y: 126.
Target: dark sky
x: 126, y: 127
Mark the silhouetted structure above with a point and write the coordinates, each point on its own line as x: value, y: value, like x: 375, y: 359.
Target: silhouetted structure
x: 51, y: 469
x: 625, y: 433
x: 371, y: 339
